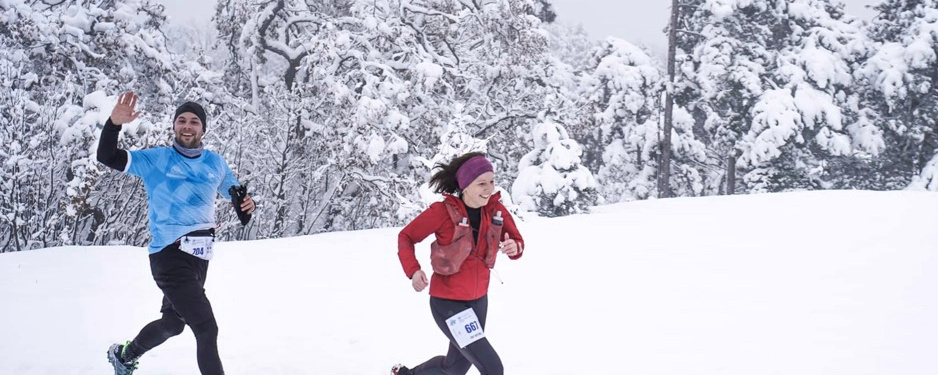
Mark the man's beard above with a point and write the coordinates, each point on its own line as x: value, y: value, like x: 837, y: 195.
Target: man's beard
x: 195, y: 143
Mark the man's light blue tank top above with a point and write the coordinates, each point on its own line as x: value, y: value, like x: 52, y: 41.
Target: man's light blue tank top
x: 180, y: 191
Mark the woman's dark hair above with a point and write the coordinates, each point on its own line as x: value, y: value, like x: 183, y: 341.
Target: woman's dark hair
x: 444, y: 181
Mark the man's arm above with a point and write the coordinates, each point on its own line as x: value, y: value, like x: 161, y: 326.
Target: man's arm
x: 108, y: 153
x: 123, y: 112
x: 237, y: 193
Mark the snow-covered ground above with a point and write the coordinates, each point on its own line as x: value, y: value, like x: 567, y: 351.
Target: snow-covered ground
x: 818, y: 283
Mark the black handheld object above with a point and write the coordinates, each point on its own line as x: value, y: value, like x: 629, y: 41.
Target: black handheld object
x: 238, y: 192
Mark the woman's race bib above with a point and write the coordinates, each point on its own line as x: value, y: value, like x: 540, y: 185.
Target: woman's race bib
x: 199, y: 246
x: 465, y: 327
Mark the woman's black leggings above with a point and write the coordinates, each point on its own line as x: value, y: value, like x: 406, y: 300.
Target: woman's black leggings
x: 181, y: 277
x: 457, y: 361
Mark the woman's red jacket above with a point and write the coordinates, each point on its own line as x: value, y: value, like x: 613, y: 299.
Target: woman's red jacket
x: 472, y: 280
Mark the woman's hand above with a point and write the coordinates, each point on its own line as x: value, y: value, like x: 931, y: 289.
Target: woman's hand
x: 419, y: 280
x: 509, y: 246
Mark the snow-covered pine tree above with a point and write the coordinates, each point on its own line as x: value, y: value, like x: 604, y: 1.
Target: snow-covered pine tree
x: 775, y: 79
x: 721, y: 78
x: 679, y: 119
x: 809, y: 115
x: 618, y: 124
x: 901, y: 95
x: 551, y: 179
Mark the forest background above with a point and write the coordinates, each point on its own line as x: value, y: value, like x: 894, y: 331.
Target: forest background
x: 335, y: 112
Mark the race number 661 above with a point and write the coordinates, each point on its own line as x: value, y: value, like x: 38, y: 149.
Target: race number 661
x: 471, y: 327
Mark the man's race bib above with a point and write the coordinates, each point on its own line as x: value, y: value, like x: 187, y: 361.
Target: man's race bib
x: 198, y: 246
x: 465, y: 328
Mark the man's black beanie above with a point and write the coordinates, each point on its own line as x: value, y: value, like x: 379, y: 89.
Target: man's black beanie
x: 193, y: 108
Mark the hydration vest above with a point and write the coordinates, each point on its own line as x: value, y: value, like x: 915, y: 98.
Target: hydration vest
x: 447, y: 259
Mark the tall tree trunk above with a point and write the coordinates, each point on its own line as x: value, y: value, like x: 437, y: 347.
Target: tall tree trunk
x: 731, y: 172
x: 927, y: 151
x: 664, y: 163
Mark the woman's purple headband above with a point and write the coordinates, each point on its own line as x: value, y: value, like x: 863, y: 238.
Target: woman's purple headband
x: 471, y: 169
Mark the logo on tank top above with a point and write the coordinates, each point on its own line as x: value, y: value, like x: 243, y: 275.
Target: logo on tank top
x: 176, y: 172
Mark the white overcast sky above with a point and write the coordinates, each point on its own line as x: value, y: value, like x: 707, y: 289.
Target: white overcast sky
x: 638, y: 21
x: 642, y: 22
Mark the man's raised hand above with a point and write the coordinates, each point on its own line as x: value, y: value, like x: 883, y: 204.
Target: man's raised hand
x: 123, y: 111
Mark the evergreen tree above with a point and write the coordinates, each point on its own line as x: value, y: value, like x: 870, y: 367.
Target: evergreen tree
x: 619, y: 120
x: 775, y: 82
x: 551, y: 180
x: 899, y: 83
